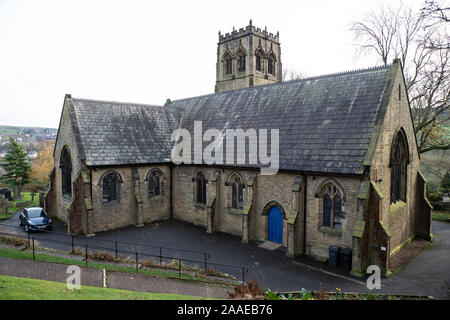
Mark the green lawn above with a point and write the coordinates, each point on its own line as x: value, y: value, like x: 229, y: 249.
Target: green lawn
x: 26, y: 196
x: 441, y: 216
x: 13, y: 288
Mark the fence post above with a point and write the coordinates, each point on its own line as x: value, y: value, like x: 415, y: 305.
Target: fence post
x: 160, y: 255
x: 179, y: 267
x: 205, y: 263
x: 116, y: 249
x: 86, y: 258
x: 137, y: 264
x: 243, y: 275
x: 72, y: 244
x: 33, y: 249
x: 29, y: 243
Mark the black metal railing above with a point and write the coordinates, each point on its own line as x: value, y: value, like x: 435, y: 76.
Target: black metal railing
x: 125, y: 254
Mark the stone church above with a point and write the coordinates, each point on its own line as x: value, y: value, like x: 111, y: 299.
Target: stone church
x: 348, y: 159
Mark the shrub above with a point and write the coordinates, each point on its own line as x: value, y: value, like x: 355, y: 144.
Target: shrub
x: 17, y: 242
x: 248, y: 290
x: 433, y: 194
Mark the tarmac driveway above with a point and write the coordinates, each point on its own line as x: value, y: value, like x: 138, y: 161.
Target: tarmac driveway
x: 426, y: 274
x: 429, y: 272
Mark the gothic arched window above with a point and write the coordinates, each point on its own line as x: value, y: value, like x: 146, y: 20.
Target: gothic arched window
x: 241, y: 61
x: 228, y: 64
x: 155, y: 184
x: 331, y: 207
x: 271, y: 65
x: 399, y: 163
x: 200, y: 187
x: 110, y: 187
x: 259, y: 61
x: 237, y: 193
x: 65, y: 163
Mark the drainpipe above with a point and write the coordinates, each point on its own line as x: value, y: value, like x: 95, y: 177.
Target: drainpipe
x: 304, y: 212
x: 171, y: 189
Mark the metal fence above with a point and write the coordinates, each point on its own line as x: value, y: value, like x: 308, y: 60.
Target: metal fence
x: 128, y: 251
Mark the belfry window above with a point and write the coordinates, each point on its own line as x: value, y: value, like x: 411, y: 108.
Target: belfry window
x: 110, y: 187
x: 228, y: 65
x: 332, y: 207
x: 271, y: 65
x: 259, y: 61
x: 241, y: 61
x: 200, y: 188
x: 66, y: 173
x: 399, y: 166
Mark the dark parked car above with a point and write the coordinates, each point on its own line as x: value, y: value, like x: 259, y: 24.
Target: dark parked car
x: 34, y: 219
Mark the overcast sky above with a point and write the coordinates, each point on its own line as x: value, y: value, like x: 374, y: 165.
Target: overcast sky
x: 148, y: 51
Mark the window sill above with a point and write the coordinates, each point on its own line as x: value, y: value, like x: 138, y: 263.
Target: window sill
x: 156, y: 198
x: 397, y: 206
x: 235, y: 211
x: 200, y: 206
x: 110, y: 203
x: 330, y: 231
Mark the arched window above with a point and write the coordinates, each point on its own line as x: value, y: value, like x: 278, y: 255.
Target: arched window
x: 110, y: 187
x: 241, y: 61
x: 399, y: 163
x: 66, y: 172
x: 331, y: 207
x: 259, y: 61
x: 200, y: 187
x: 271, y: 65
x: 237, y: 193
x: 155, y: 184
x: 228, y: 64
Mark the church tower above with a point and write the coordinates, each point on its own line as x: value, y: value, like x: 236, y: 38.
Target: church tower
x: 246, y: 58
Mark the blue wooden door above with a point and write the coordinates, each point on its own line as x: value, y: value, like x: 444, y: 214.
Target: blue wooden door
x: 275, y: 225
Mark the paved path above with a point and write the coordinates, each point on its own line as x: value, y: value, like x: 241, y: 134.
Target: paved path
x: 426, y: 274
x: 429, y: 272
x: 118, y: 280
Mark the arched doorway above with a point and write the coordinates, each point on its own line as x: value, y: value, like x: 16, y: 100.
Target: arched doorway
x: 275, y: 233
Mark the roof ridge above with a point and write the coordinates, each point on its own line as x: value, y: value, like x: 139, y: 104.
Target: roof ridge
x: 325, y: 75
x: 117, y: 102
x: 290, y: 81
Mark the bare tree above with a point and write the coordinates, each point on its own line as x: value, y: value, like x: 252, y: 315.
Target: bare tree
x: 400, y: 33
x: 291, y: 74
x: 435, y: 12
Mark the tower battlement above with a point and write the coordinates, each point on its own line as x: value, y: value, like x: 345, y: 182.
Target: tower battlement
x: 250, y: 29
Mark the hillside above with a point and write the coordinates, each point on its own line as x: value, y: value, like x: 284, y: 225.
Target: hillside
x: 29, y: 137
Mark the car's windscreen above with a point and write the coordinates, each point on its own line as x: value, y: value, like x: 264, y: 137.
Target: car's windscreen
x: 35, y: 213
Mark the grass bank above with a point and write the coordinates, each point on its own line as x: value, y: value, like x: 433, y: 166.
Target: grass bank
x: 441, y: 216
x: 14, y: 288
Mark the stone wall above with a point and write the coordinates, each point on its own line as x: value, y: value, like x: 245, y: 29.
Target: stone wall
x: 66, y: 139
x: 266, y: 189
x: 319, y: 238
x: 399, y: 217
x: 123, y: 212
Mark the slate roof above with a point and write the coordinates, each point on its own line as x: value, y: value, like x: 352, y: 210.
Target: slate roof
x: 325, y: 123
x: 114, y: 133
